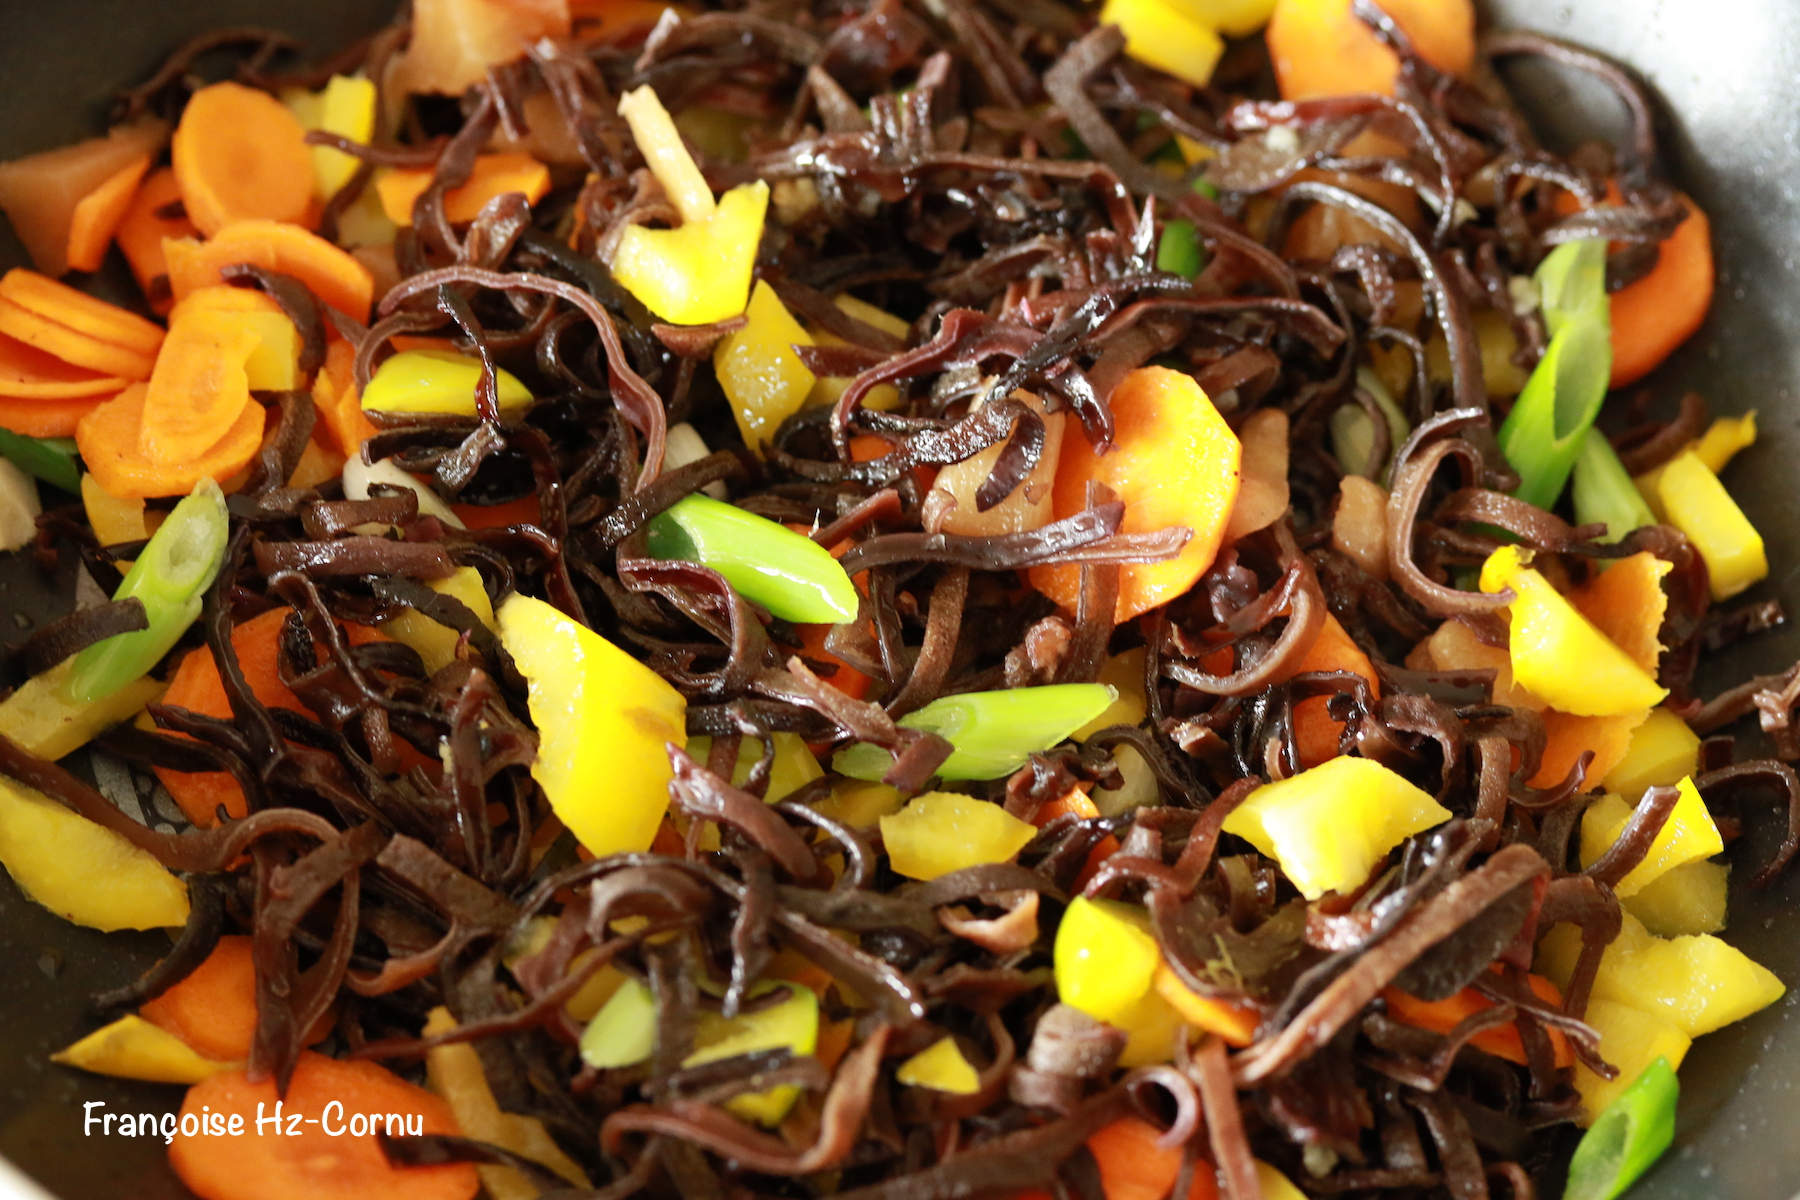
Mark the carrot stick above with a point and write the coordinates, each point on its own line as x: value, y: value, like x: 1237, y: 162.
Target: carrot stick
x: 40, y: 193
x: 1133, y: 1167
x: 213, y: 1010
x: 334, y: 395
x: 334, y: 275
x: 27, y: 373
x: 141, y: 235
x: 72, y: 346
x: 1174, y: 461
x: 81, y: 312
x: 108, y: 440
x: 494, y: 175
x: 1441, y: 1016
x: 1320, y: 48
x: 46, y: 418
x: 239, y: 155
x: 321, y: 1148
x: 199, y: 387
x: 1655, y: 314
x: 97, y: 215
x: 1567, y: 737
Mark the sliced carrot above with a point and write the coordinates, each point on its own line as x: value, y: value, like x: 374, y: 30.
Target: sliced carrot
x: 325, y: 1144
x: 1174, y: 462
x: 41, y: 193
x: 1567, y: 737
x: 213, y: 1010
x: 318, y: 464
x: 494, y: 175
x: 97, y: 215
x: 142, y: 231
x: 46, y: 418
x: 108, y: 440
x: 27, y: 373
x: 402, y: 342
x: 334, y: 395
x: 834, y: 1040
x: 81, y: 312
x: 199, y: 387
x: 1234, y: 1024
x: 1133, y: 1167
x: 524, y: 511
x: 1441, y: 1016
x: 846, y: 678
x: 1320, y: 48
x: 1626, y: 602
x: 240, y: 155
x: 335, y: 276
x: 1074, y: 803
x: 1316, y: 731
x: 72, y: 346
x: 1654, y: 315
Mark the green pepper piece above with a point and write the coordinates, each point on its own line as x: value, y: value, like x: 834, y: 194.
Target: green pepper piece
x: 1630, y: 1135
x: 1604, y: 492
x: 170, y: 577
x: 1179, y: 252
x: 787, y: 573
x: 993, y: 732
x: 50, y: 459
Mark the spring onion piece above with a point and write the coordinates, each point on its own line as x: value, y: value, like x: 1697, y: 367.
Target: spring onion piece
x: 1630, y: 1135
x: 1543, y: 434
x: 787, y: 573
x: 170, y: 577
x: 50, y: 459
x: 1179, y: 252
x: 1604, y: 492
x: 993, y: 732
x: 1353, y: 433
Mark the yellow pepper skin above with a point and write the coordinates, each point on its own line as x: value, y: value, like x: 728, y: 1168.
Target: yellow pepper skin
x: 859, y: 804
x: 1164, y: 36
x: 81, y: 871
x: 1630, y: 1039
x: 1153, y: 1028
x: 46, y: 720
x: 699, y: 272
x: 762, y: 376
x: 941, y: 832
x: 1105, y: 957
x: 1696, y: 503
x: 1663, y: 751
x: 436, y: 643
x: 793, y: 767
x: 623, y: 1032
x: 346, y: 107
x: 1235, y: 18
x: 1557, y: 654
x: 1689, y: 899
x: 1688, y: 836
x: 942, y: 1068
x: 1329, y: 826
x: 437, y: 381
x: 1724, y: 438
x: 603, y: 719
x: 133, y: 1048
x: 792, y: 1024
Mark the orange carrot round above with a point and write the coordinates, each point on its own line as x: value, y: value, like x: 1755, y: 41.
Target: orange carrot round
x: 329, y: 1150
x: 81, y: 312
x: 199, y: 387
x: 27, y: 373
x: 1174, y: 462
x: 1316, y: 731
x: 1320, y: 48
x: 40, y: 193
x: 1653, y: 315
x: 334, y: 275
x: 71, y: 345
x: 97, y: 215
x: 108, y: 440
x: 341, y: 416
x: 46, y: 418
x: 239, y: 155
x: 213, y: 1010
x: 1134, y: 1167
x: 141, y: 233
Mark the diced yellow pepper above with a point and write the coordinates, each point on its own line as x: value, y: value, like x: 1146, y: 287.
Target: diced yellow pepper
x: 1235, y: 1025
x: 1630, y: 1039
x: 1153, y: 1029
x: 792, y: 1024
x: 603, y: 719
x: 345, y: 107
x: 942, y: 1068
x: 762, y: 376
x: 941, y: 832
x: 1689, y: 899
x: 1161, y: 35
x: 793, y: 768
x: 437, y: 381
x: 1550, y: 638
x: 593, y: 994
x: 699, y: 272
x: 623, y: 1032
x: 133, y: 1048
x: 436, y: 643
x: 1663, y: 751
x: 1689, y: 835
x: 1330, y: 825
x: 1124, y: 672
x: 1696, y: 503
x: 1275, y: 1185
x: 860, y: 805
x: 44, y: 719
x: 113, y: 520
x: 881, y: 397
x: 1236, y: 18
x: 1697, y: 982
x: 1724, y: 438
x: 1105, y: 956
x: 81, y: 871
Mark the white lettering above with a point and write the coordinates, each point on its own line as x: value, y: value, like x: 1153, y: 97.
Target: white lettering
x: 325, y: 1119
x: 274, y: 1119
x: 235, y: 1126
x: 185, y: 1130
x: 167, y: 1127
x: 88, y: 1119
x: 294, y: 1121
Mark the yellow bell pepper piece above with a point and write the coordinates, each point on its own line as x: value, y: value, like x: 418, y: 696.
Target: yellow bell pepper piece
x: 1153, y: 1029
x: 1630, y: 1039
x: 43, y: 718
x: 1686, y: 900
x: 793, y: 768
x: 436, y: 643
x: 1689, y: 835
x: 1235, y: 18
x: 346, y: 107
x: 1695, y: 502
x: 1235, y: 1025
x: 1663, y: 751
x: 81, y: 871
x: 792, y: 1023
x: 133, y: 1048
x: 700, y: 271
x: 942, y: 1068
x: 827, y: 389
x: 1162, y: 35
x: 114, y: 520
x: 941, y: 832
x: 623, y: 1032
x: 1557, y: 654
x: 602, y: 719
x: 860, y: 805
x: 1124, y: 673
x: 593, y: 994
x: 1698, y: 983
x: 1329, y: 826
x: 437, y: 381
x: 1275, y: 1185
x: 1105, y: 957
x: 762, y: 376
x: 1724, y: 438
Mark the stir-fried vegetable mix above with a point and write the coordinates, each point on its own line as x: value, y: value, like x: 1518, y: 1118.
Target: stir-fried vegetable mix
x: 885, y: 600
